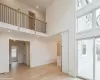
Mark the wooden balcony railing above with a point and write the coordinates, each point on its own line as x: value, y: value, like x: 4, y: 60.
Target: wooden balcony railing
x: 18, y: 18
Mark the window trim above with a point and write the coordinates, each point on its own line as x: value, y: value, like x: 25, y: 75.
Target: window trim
x: 93, y: 33
x: 85, y: 6
x: 87, y: 30
x: 96, y: 18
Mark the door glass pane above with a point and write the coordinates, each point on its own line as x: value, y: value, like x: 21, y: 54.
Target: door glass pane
x: 85, y: 59
x: 97, y: 59
x: 84, y: 22
x: 82, y: 3
x: 98, y: 18
x: 13, y: 52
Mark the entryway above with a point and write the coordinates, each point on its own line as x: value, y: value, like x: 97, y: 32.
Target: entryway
x: 31, y: 20
x: 63, y: 52
x: 89, y: 58
x: 19, y: 54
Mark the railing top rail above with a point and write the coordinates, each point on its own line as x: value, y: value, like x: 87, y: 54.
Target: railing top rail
x: 23, y: 13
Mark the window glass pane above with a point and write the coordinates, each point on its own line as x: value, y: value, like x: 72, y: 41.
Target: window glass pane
x: 84, y: 22
x: 85, y: 58
x: 98, y: 18
x: 14, y: 52
x: 97, y: 59
x: 82, y: 3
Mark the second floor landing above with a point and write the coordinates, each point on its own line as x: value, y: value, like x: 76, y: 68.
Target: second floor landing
x: 15, y: 20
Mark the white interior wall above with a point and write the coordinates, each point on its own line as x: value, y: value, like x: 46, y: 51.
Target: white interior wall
x: 4, y: 54
x: 60, y: 16
x: 42, y: 51
x: 24, y: 8
x: 65, y: 53
x: 45, y: 51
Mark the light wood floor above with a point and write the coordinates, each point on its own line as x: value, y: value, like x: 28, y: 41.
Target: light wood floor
x: 46, y: 72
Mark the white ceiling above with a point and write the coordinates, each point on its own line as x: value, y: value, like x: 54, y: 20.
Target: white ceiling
x: 43, y: 4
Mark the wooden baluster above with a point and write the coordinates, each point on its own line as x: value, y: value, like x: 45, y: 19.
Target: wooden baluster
x: 27, y: 22
x: 35, y: 26
x: 13, y: 17
x: 23, y: 20
x: 8, y: 16
x: 4, y: 13
x: 16, y: 18
x: 5, y: 9
x: 20, y: 20
x: 0, y: 12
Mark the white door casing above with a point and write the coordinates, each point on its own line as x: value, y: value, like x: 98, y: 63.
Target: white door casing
x: 65, y: 52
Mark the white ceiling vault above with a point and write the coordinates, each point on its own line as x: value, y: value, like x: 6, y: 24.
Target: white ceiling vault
x: 43, y: 4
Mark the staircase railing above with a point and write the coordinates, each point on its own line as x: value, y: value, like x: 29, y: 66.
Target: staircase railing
x: 18, y: 18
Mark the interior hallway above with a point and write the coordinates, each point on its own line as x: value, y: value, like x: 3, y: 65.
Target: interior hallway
x: 15, y: 66
x: 46, y: 72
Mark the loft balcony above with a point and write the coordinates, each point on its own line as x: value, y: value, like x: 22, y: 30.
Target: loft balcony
x: 17, y: 18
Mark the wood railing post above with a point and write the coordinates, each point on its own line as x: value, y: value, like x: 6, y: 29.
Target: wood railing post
x: 35, y: 26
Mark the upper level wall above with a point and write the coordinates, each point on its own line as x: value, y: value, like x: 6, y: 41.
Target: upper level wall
x: 60, y: 16
x: 24, y: 8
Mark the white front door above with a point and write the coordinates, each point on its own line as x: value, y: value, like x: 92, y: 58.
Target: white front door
x: 65, y: 52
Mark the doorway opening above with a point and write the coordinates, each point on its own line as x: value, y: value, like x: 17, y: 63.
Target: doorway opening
x: 19, y: 54
x: 14, y: 53
x: 63, y: 51
x: 59, y: 53
x: 88, y: 51
x: 31, y: 20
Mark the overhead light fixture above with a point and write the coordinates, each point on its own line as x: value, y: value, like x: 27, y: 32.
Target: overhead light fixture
x: 61, y: 33
x: 9, y: 30
x: 37, y: 6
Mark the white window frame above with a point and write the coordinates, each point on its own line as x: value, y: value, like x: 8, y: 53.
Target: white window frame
x: 87, y: 30
x: 93, y: 56
x: 97, y: 28
x: 85, y: 6
x: 91, y: 33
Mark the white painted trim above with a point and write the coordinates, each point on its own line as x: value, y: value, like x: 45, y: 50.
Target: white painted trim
x: 20, y: 29
x: 94, y: 58
x: 88, y: 8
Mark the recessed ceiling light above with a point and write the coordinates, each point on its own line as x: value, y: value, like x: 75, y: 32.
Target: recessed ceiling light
x: 37, y: 6
x: 9, y: 31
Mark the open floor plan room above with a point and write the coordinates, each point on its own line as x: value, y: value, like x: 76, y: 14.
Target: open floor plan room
x: 45, y: 72
x: 49, y: 39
